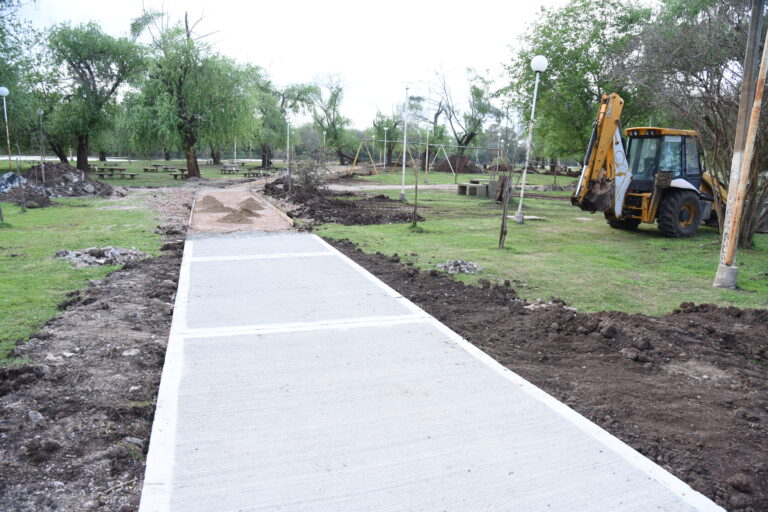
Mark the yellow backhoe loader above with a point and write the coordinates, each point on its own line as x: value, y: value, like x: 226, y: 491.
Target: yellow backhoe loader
x: 657, y: 177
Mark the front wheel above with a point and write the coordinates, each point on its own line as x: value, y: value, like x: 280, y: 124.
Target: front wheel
x: 679, y: 213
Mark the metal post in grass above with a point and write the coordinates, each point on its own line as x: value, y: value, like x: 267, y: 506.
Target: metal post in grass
x: 4, y: 92
x: 405, y: 143
x: 385, y: 147
x: 538, y: 65
x: 42, y: 145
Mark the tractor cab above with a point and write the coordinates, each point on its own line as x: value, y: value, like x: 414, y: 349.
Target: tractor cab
x: 654, y: 150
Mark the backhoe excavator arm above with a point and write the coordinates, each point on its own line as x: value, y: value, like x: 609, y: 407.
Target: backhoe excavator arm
x: 605, y: 176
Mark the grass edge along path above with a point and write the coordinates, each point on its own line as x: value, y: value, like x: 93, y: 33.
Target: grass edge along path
x: 33, y: 281
x: 570, y: 255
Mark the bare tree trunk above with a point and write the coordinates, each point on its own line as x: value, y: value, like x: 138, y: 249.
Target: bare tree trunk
x: 60, y: 153
x: 166, y: 155
x: 102, y: 155
x: 82, y: 152
x: 215, y: 156
x: 266, y: 156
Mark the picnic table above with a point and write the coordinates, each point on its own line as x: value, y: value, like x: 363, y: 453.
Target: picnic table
x: 150, y: 169
x: 158, y: 166
x: 230, y: 169
x: 254, y: 174
x: 182, y: 174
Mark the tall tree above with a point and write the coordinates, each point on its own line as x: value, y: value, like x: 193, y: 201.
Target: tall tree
x: 326, y: 114
x: 96, y: 65
x: 275, y: 104
x: 204, y: 97
x: 466, y: 124
x: 692, y: 64
x: 590, y: 45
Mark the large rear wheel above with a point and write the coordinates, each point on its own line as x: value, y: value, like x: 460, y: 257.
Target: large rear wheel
x: 679, y: 213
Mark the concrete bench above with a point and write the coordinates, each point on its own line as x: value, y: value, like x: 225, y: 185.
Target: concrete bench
x: 128, y: 175
x: 473, y: 189
x: 150, y: 169
x: 179, y: 175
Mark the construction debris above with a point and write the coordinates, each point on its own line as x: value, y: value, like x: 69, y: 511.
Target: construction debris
x: 459, y: 267
x: 101, y: 256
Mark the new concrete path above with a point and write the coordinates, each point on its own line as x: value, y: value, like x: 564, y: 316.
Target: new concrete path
x: 297, y: 381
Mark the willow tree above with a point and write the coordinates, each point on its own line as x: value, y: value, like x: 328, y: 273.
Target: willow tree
x: 326, y: 114
x: 95, y: 66
x: 189, y: 91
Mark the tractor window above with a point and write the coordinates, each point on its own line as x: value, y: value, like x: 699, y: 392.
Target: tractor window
x: 692, y: 164
x: 670, y: 155
x: 642, y: 157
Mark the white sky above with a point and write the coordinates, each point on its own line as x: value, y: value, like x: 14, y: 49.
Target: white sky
x: 377, y: 48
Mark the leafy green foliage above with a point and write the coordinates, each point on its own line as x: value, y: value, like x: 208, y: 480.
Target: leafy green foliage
x: 95, y: 66
x: 589, y: 45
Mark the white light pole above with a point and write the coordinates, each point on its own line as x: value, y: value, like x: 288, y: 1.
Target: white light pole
x: 324, y: 132
x: 288, y: 153
x: 42, y: 144
x: 385, y: 147
x: 4, y: 93
x: 538, y: 65
x: 405, y: 143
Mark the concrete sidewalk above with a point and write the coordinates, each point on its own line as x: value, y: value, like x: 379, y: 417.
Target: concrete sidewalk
x: 297, y: 381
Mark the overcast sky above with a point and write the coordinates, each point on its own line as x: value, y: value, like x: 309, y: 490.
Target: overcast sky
x: 375, y: 47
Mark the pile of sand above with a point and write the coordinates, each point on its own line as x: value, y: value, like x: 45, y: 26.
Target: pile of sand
x: 235, y: 218
x: 250, y: 204
x: 249, y: 213
x: 210, y: 204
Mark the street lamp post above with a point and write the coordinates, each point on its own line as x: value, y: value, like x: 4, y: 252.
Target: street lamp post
x: 324, y: 132
x: 538, y: 65
x: 4, y: 93
x: 405, y: 143
x: 42, y: 145
x: 385, y: 147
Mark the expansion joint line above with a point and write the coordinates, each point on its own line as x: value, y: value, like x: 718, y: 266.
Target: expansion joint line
x: 342, y: 323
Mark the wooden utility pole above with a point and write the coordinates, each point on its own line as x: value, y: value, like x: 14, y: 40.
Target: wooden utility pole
x: 743, y: 149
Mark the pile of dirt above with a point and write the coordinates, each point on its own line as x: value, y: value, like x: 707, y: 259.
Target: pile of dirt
x: 689, y: 390
x: 94, y: 256
x: 320, y: 207
x: 251, y: 204
x: 209, y: 204
x: 63, y: 180
x: 75, y: 422
x: 237, y: 217
x: 248, y: 212
x: 460, y: 164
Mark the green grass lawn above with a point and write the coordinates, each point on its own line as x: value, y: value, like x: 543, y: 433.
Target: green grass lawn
x: 394, y: 177
x: 570, y: 255
x: 33, y: 282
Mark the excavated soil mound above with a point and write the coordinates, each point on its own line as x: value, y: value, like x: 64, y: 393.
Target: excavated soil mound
x: 210, y: 204
x: 316, y: 207
x: 460, y: 164
x: 249, y: 213
x: 63, y: 180
x: 236, y: 218
x: 689, y: 389
x: 75, y: 422
x: 250, y: 204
